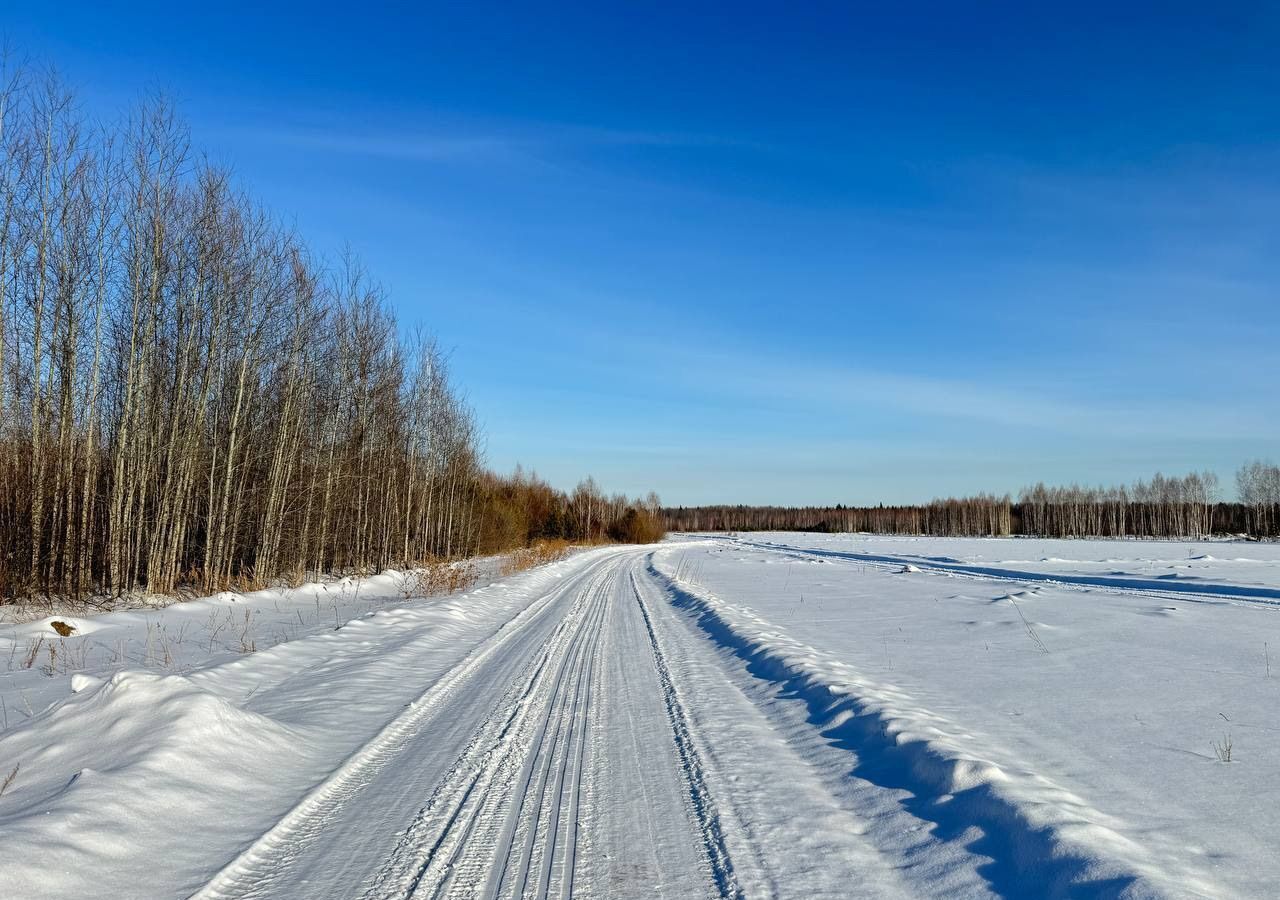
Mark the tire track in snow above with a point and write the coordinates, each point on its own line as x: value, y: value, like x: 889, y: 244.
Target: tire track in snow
x: 553, y: 766
x: 692, y: 769
x: 253, y: 871
x: 511, y: 780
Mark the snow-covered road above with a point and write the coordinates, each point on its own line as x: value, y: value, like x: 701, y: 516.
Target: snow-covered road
x: 612, y: 725
x: 491, y: 782
x: 593, y: 746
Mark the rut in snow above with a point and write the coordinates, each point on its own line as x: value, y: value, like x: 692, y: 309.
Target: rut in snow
x: 704, y: 807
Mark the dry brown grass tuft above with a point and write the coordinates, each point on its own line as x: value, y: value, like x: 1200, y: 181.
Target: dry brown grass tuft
x: 33, y: 650
x: 540, y: 553
x: 433, y: 578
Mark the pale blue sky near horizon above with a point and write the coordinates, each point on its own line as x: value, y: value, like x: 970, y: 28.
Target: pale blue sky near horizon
x: 832, y: 253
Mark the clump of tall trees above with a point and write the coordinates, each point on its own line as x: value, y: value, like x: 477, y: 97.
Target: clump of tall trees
x: 189, y: 396
x: 1258, y: 493
x: 1164, y: 507
x: 522, y: 509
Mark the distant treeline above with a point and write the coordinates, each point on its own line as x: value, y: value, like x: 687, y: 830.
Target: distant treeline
x: 189, y: 397
x: 1164, y: 507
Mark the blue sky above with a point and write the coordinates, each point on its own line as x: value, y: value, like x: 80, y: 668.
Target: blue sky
x: 800, y: 253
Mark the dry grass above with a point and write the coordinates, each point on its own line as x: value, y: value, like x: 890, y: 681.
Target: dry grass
x: 297, y: 577
x: 33, y: 650
x: 191, y: 582
x: 540, y: 553
x: 433, y: 578
x: 248, y: 643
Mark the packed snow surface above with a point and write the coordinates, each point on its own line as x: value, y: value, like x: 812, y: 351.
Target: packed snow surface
x: 763, y: 715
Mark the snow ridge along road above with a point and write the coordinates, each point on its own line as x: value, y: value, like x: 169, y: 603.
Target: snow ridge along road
x: 1041, y: 840
x: 608, y: 726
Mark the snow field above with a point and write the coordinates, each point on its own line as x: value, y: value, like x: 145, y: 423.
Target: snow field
x: 801, y: 716
x: 1074, y: 724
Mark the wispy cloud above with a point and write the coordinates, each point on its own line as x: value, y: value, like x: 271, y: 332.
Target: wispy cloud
x: 938, y: 404
x: 421, y: 147
x: 455, y: 144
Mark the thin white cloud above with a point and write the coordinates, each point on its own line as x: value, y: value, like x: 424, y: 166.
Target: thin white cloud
x: 461, y: 145
x: 422, y: 147
x: 842, y: 392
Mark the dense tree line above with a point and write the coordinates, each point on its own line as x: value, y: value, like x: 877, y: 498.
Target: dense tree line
x: 1165, y: 506
x: 980, y: 515
x: 188, y: 396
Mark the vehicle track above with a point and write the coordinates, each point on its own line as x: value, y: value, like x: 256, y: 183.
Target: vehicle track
x: 494, y: 826
x: 262, y: 865
x: 691, y: 765
x: 511, y: 778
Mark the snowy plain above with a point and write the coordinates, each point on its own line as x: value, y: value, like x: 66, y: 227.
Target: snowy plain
x: 780, y: 715
x: 1090, y: 687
